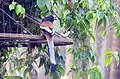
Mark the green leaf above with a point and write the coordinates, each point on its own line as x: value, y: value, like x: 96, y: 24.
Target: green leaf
x: 23, y: 10
x: 94, y: 17
x: 61, y: 70
x: 84, y: 4
x: 100, y: 22
x: 47, y: 67
x: 55, y: 75
x: 42, y: 60
x: 100, y: 15
x: 18, y: 9
x: 12, y: 6
x: 101, y: 1
x: 105, y: 32
x: 79, y: 74
x: 92, y: 59
x: 69, y: 50
x: 42, y: 3
x: 108, y: 57
x: 25, y: 72
x: 107, y: 53
x: 104, y: 6
x: 85, y: 55
x: 94, y: 73
x: 108, y: 60
x: 19, y: 68
x: 89, y: 16
x: 44, y: 10
x: 90, y: 2
x: 13, y: 77
x: 91, y: 35
x: 106, y: 20
x: 117, y: 33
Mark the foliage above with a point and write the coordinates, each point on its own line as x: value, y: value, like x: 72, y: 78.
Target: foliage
x: 94, y: 73
x: 19, y: 9
x: 81, y: 20
x: 20, y: 64
x: 109, y: 56
x: 3, y: 59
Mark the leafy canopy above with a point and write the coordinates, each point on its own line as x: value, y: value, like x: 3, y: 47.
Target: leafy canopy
x: 81, y: 18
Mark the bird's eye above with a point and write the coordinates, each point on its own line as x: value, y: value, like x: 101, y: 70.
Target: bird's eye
x: 55, y: 18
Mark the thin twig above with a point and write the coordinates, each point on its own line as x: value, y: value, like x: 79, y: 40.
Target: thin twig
x: 16, y: 21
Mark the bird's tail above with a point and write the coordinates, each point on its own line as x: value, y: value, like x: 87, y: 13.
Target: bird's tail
x: 52, y: 53
x: 51, y: 49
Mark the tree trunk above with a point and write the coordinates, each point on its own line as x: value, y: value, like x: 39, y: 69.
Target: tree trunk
x: 109, y: 47
x: 115, y: 69
x: 103, y: 44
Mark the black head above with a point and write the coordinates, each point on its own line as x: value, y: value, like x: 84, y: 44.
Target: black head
x: 48, y: 18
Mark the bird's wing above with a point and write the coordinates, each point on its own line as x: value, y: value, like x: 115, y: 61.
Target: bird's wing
x: 47, y: 24
x: 47, y: 29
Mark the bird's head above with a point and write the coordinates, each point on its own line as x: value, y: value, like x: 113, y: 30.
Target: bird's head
x: 50, y: 18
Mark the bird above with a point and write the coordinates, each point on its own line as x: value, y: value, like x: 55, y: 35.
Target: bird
x: 46, y: 26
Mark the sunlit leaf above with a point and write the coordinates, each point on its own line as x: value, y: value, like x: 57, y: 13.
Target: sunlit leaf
x: 23, y: 12
x: 104, y: 6
x: 13, y: 77
x: 84, y: 4
x: 91, y: 35
x: 108, y: 57
x: 69, y: 50
x: 107, y: 53
x: 108, y: 60
x: 18, y: 9
x: 12, y: 6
